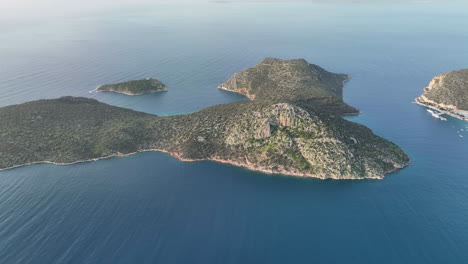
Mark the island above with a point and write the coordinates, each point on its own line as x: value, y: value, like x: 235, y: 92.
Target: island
x: 276, y: 135
x: 447, y: 94
x: 135, y: 87
x: 291, y: 80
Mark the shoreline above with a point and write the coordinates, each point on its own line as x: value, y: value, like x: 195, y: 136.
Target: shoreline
x: 442, y: 110
x: 249, y: 96
x: 233, y: 163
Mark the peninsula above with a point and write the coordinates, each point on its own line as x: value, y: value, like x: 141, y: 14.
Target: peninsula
x: 274, y: 135
x: 448, y: 94
x: 136, y: 87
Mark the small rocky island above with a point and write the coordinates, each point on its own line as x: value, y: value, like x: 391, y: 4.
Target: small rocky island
x: 274, y: 135
x: 135, y: 87
x: 448, y: 94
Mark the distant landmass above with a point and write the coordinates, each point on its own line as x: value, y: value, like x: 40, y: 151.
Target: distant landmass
x: 272, y: 135
x: 135, y: 87
x: 448, y: 93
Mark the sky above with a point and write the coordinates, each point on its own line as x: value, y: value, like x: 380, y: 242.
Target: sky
x: 34, y: 9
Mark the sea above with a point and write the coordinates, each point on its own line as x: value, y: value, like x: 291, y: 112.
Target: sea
x: 153, y: 208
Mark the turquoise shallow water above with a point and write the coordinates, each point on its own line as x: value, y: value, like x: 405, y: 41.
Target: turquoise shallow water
x: 152, y: 208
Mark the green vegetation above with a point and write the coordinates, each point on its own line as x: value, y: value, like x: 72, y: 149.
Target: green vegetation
x: 66, y: 130
x: 136, y: 87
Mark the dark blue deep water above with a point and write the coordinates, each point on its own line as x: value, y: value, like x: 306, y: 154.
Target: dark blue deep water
x: 152, y: 208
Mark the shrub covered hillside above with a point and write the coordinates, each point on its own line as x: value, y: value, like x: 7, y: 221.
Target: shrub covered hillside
x: 292, y: 81
x: 261, y: 135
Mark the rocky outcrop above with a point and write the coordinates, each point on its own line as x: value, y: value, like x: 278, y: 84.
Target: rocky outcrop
x: 448, y: 93
x: 311, y: 144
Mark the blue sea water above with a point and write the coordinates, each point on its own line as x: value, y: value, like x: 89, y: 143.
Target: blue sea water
x: 152, y: 208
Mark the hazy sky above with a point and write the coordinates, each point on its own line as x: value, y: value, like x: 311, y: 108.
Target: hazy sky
x: 30, y: 9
